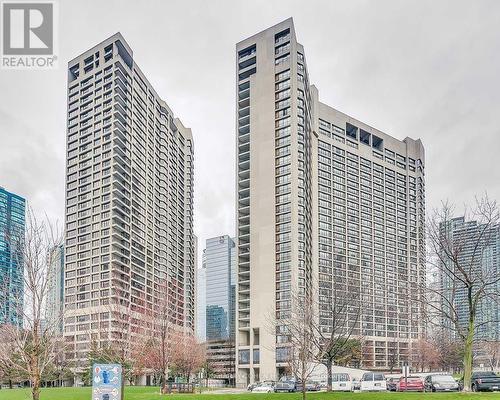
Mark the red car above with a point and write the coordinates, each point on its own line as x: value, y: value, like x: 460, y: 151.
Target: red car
x: 415, y: 384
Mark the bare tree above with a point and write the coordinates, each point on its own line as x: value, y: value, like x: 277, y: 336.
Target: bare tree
x: 425, y: 355
x: 336, y: 330
x: 491, y: 353
x: 125, y: 335
x: 158, y: 343
x: 458, y: 256
x: 392, y: 359
x: 32, y: 348
x: 449, y: 351
x: 298, y: 326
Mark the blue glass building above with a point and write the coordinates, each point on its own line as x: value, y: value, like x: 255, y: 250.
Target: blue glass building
x: 219, y: 259
x: 479, y: 251
x: 12, y: 226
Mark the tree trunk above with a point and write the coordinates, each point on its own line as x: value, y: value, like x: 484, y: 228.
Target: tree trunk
x: 329, y: 375
x: 35, y: 389
x: 163, y: 382
x: 468, y: 355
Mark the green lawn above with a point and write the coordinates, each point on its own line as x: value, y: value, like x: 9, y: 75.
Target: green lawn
x: 151, y: 393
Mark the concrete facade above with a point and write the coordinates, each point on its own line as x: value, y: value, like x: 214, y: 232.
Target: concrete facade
x: 129, y: 203
x: 322, y: 200
x: 55, y: 296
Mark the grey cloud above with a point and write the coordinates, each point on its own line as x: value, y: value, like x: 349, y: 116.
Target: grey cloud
x: 421, y: 68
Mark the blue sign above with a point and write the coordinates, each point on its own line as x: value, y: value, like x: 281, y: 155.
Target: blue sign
x: 106, y: 382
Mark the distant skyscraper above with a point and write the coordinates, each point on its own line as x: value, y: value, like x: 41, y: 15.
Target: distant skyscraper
x: 326, y: 205
x: 220, y: 288
x: 201, y: 301
x: 129, y: 203
x: 55, y: 297
x: 12, y: 230
x: 480, y: 251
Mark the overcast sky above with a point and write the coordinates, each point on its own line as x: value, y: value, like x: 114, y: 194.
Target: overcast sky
x: 424, y: 69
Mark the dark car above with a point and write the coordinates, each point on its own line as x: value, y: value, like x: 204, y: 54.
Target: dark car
x: 441, y: 383
x: 411, y: 383
x: 486, y: 380
x: 392, y: 384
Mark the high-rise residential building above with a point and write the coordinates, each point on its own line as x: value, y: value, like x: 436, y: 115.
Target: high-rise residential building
x: 220, y: 287
x: 55, y: 295
x: 478, y: 248
x: 201, y: 301
x: 129, y: 203
x: 12, y: 230
x: 324, y: 202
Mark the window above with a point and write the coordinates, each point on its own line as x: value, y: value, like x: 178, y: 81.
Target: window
x: 377, y: 143
x: 364, y: 137
x: 281, y: 37
x: 248, y: 51
x: 351, y: 131
x: 282, y: 354
x: 244, y: 357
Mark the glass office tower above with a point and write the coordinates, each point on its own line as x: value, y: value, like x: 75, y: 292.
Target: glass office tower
x: 12, y: 228
x: 220, y: 287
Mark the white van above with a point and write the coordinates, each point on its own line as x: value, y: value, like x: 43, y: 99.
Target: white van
x: 341, y: 382
x: 373, y: 382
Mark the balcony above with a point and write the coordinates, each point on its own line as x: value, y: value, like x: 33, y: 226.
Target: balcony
x: 282, y: 39
x: 244, y: 251
x: 244, y: 316
x: 244, y: 121
x: 244, y: 201
x: 243, y: 130
x: 243, y: 289
x: 244, y: 271
x: 244, y: 159
x: 244, y: 102
x: 244, y: 112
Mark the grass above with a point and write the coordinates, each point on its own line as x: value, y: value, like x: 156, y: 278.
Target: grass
x: 151, y: 393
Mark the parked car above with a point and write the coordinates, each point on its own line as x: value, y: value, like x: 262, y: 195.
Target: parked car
x: 392, y: 384
x: 440, y: 383
x: 266, y: 387
x: 411, y: 383
x: 373, y: 381
x: 252, y: 386
x: 285, y: 386
x: 312, y: 386
x: 485, y: 380
x: 342, y: 383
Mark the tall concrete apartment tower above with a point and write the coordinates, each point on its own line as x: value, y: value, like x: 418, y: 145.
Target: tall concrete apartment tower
x: 322, y: 200
x: 129, y: 202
